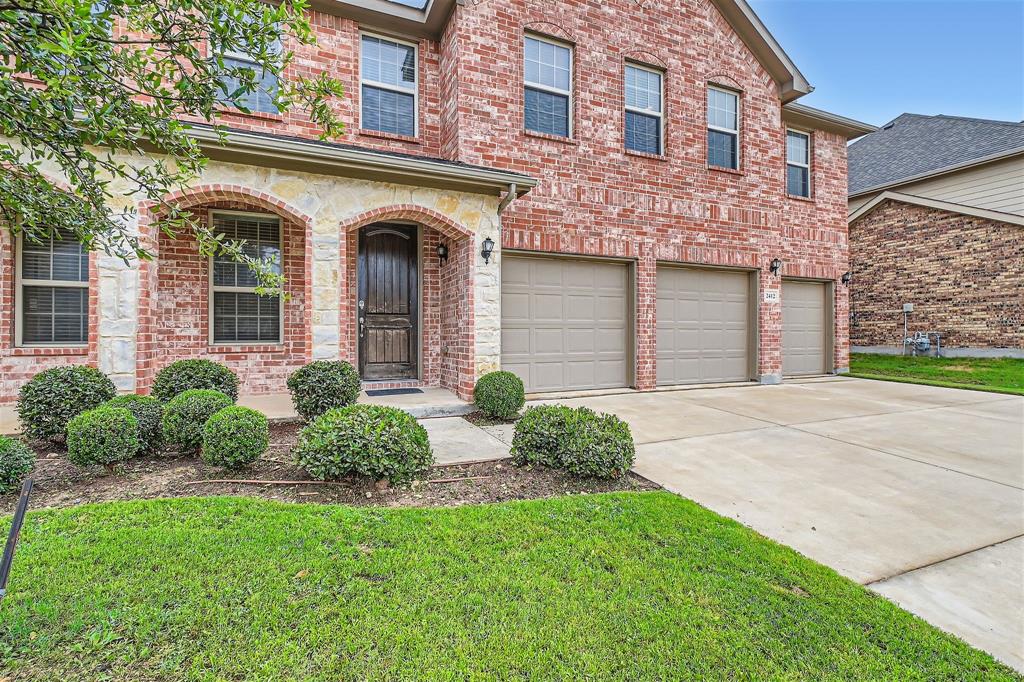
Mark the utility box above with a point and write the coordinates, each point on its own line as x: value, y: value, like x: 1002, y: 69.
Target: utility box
x: 908, y: 307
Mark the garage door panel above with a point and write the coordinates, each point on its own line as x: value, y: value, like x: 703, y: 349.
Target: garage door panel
x: 575, y: 318
x: 515, y: 341
x: 703, y: 325
x: 804, y: 326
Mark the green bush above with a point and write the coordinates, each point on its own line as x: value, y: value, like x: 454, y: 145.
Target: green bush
x: 234, y: 437
x: 500, y: 395
x: 51, y: 398
x: 16, y: 461
x: 186, y: 414
x: 104, y: 435
x: 579, y: 440
x: 149, y: 412
x: 186, y: 375
x: 323, y: 385
x: 371, y: 440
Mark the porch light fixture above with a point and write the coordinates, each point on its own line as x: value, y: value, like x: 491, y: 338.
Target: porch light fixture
x: 775, y: 266
x: 442, y: 253
x: 487, y: 249
x: 845, y: 279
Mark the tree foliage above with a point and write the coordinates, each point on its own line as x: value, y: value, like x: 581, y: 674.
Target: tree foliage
x: 103, y: 92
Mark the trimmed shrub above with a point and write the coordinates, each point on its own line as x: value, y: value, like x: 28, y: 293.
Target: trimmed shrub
x: 370, y: 440
x: 579, y: 440
x: 149, y: 412
x: 500, y: 395
x: 323, y: 385
x: 104, y: 435
x: 186, y: 414
x: 186, y: 375
x: 53, y: 397
x: 16, y: 461
x: 234, y: 437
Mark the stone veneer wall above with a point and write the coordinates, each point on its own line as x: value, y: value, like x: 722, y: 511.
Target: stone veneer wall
x: 964, y: 275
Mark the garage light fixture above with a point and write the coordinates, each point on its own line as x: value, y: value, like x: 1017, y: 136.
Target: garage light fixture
x: 442, y: 253
x: 487, y: 249
x: 775, y: 266
x: 845, y: 279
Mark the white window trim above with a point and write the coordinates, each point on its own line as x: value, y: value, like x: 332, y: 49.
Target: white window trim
x: 243, y: 290
x: 548, y: 88
x: 736, y: 132
x: 647, y: 112
x: 807, y: 165
x: 414, y: 90
x: 19, y: 296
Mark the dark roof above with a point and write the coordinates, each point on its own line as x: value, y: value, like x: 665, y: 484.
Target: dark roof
x: 913, y: 145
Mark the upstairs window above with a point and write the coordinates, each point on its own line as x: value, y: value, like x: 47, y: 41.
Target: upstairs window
x: 798, y: 163
x: 239, y: 314
x: 53, y: 295
x: 644, y: 116
x: 388, y: 79
x: 262, y: 99
x: 548, y: 86
x: 723, y: 128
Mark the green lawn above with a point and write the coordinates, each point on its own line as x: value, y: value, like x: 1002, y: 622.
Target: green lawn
x: 626, y: 586
x: 1000, y: 375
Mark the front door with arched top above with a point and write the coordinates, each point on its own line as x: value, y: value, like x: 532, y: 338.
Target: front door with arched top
x: 388, y: 302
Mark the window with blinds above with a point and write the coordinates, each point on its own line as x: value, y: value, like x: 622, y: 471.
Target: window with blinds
x: 53, y: 297
x: 547, y: 67
x: 388, y: 86
x: 239, y: 314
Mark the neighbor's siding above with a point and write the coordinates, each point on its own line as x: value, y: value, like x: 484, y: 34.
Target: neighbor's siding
x: 964, y: 275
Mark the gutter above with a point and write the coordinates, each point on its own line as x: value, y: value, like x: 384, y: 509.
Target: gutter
x: 803, y: 114
x: 507, y: 199
x: 312, y: 156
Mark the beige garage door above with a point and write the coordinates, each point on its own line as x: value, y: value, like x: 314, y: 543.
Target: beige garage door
x: 703, y: 325
x: 564, y: 322
x: 803, y: 328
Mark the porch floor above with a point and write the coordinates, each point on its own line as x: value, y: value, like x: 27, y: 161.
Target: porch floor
x: 432, y: 402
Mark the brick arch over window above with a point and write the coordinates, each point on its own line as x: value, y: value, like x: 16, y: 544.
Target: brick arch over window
x: 208, y: 194
x: 409, y: 212
x: 551, y: 28
x: 644, y: 56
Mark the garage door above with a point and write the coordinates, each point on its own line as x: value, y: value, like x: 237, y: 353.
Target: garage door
x: 564, y: 322
x: 803, y: 328
x: 703, y: 325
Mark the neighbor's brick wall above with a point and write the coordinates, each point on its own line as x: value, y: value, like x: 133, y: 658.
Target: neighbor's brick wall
x: 964, y: 275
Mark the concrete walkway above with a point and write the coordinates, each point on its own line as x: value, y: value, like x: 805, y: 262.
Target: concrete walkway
x: 915, y: 491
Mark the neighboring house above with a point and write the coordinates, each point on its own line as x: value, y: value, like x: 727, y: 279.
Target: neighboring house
x: 588, y: 194
x: 937, y: 221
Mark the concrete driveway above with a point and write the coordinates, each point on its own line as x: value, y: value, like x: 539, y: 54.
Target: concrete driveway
x: 915, y: 491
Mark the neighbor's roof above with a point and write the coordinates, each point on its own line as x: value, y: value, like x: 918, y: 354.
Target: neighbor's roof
x: 913, y: 147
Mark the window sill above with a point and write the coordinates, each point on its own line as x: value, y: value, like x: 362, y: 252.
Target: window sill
x: 550, y: 137
x: 728, y: 171
x: 797, y: 197
x: 37, y: 351
x: 380, y: 134
x: 646, y: 155
x: 227, y: 348
x: 256, y: 115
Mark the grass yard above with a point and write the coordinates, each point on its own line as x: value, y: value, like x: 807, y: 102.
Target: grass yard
x: 999, y: 375
x: 621, y: 585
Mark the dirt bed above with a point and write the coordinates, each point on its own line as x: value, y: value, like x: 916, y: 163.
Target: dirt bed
x: 58, y: 483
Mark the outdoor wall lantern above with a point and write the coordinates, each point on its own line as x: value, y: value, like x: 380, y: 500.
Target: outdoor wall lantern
x: 487, y: 249
x: 845, y: 279
x: 775, y: 266
x: 442, y: 253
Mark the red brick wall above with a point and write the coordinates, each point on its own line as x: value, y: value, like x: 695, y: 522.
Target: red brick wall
x: 181, y: 312
x: 964, y: 275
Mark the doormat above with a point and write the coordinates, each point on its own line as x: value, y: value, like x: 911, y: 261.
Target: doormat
x: 393, y: 391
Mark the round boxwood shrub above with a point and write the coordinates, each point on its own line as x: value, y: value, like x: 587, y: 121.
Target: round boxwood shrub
x: 323, y: 385
x: 16, y: 461
x: 185, y: 375
x: 186, y: 414
x: 500, y: 395
x: 234, y: 437
x: 105, y: 435
x: 51, y: 398
x: 370, y: 440
x: 149, y: 412
x: 579, y: 440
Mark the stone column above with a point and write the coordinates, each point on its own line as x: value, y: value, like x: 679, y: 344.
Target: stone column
x: 118, y: 316
x: 327, y: 272
x: 487, y: 297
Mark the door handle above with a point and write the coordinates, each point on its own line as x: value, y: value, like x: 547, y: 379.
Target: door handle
x: 362, y: 326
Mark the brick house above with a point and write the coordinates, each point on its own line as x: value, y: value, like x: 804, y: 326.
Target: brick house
x: 589, y: 194
x: 937, y: 221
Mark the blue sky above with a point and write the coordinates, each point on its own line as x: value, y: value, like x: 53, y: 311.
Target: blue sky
x: 873, y: 60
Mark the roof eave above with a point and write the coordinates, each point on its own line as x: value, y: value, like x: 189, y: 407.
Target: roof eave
x: 818, y: 119
x: 428, y: 22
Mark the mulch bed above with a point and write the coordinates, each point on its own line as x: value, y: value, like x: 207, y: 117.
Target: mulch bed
x: 58, y: 483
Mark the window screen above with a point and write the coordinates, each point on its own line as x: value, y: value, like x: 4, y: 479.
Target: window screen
x: 548, y: 78
x: 54, y: 291
x: 643, y: 110
x: 798, y: 164
x: 262, y: 99
x: 388, y: 71
x: 239, y: 313
x: 723, y: 128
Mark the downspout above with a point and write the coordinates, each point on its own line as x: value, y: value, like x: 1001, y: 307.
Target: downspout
x: 507, y: 199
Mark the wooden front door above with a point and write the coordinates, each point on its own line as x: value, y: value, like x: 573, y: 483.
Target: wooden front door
x: 388, y: 302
